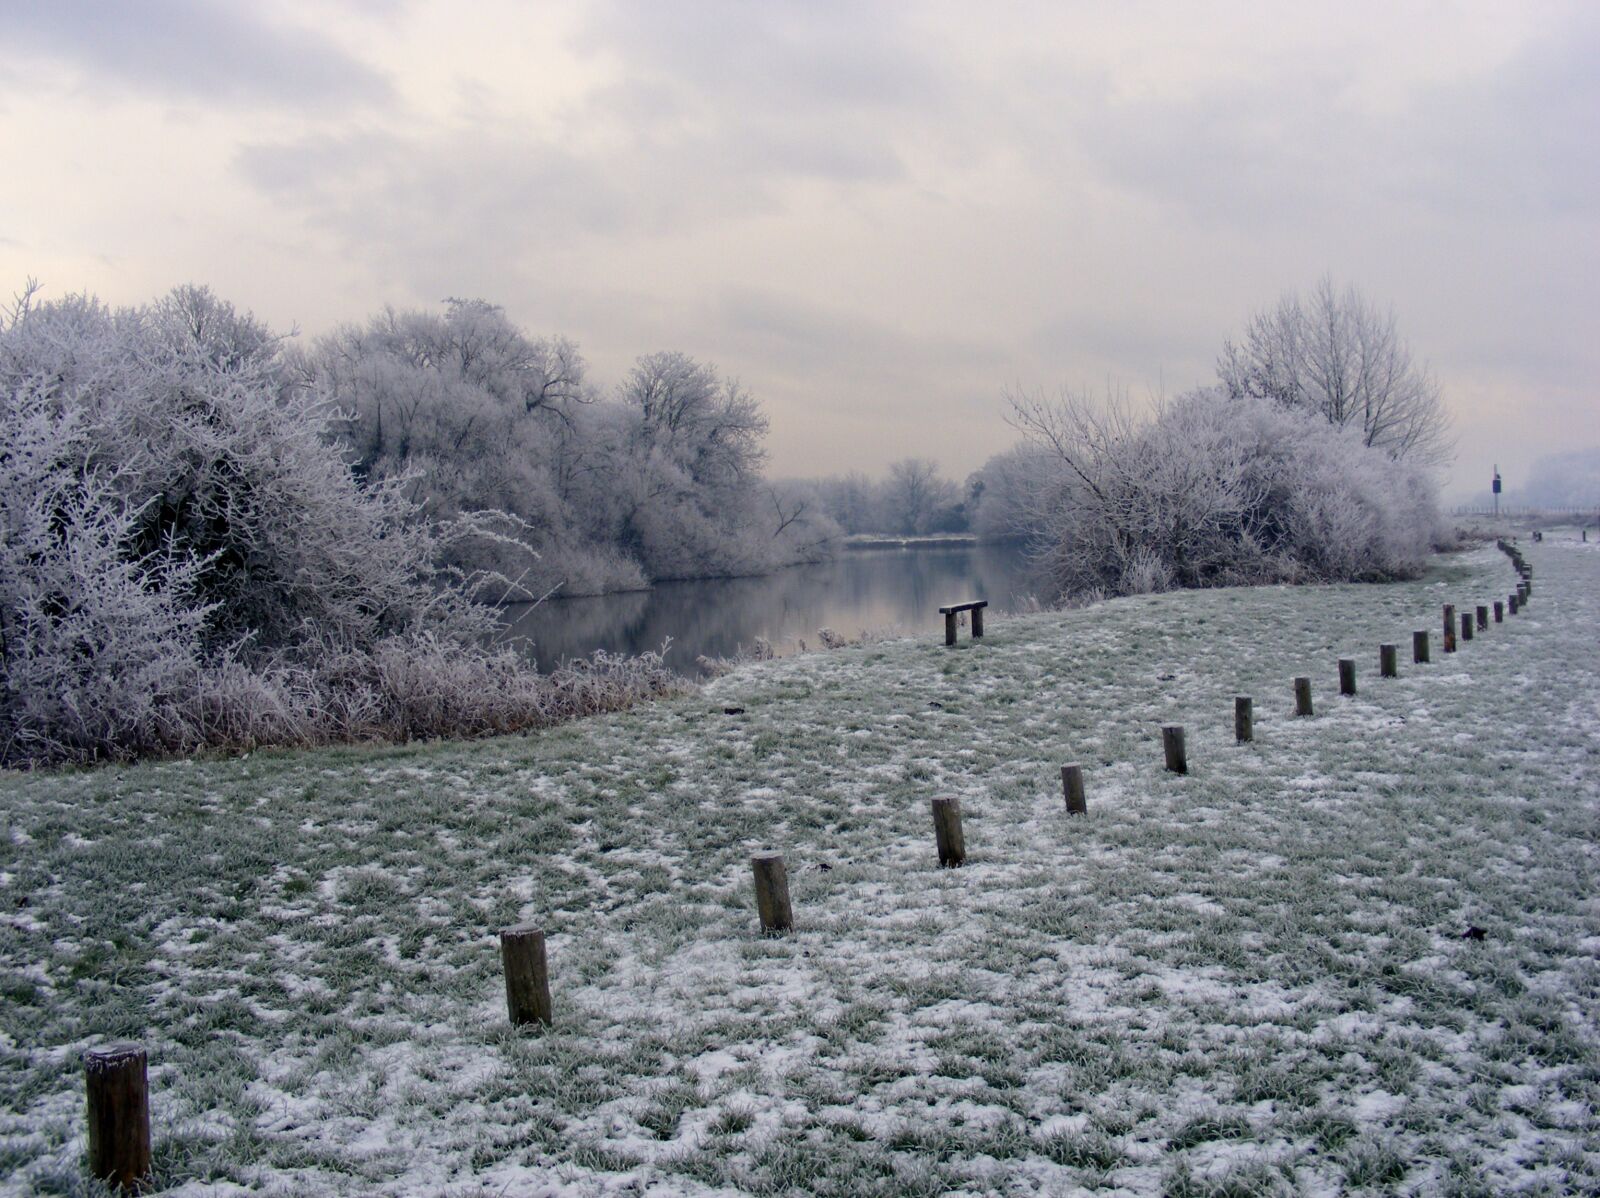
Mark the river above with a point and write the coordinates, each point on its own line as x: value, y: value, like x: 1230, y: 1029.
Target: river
x: 860, y: 590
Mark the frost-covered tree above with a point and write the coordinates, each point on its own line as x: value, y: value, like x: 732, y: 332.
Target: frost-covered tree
x: 186, y: 558
x: 1212, y: 489
x: 1338, y: 354
x: 915, y: 495
x: 660, y: 479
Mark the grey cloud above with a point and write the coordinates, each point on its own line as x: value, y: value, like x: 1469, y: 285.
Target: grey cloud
x: 1513, y: 142
x: 806, y: 342
x: 831, y: 54
x: 191, y: 48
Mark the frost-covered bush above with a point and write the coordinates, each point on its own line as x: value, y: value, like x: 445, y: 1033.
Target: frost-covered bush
x: 1209, y: 490
x: 187, y: 559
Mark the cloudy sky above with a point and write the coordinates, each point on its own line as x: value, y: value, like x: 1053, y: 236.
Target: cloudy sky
x: 876, y: 215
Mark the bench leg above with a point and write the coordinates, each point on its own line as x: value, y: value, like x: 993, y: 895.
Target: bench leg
x: 977, y: 622
x: 950, y: 628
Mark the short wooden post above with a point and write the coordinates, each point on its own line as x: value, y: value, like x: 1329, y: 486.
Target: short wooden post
x: 527, y: 974
x: 1172, y: 745
x: 1419, y: 647
x: 1072, y: 788
x: 1483, y: 617
x: 1499, y: 612
x: 1388, y: 661
x: 1466, y: 626
x: 1302, y: 696
x: 117, y: 1081
x: 947, y: 831
x: 772, y: 893
x: 1347, y: 676
x: 1511, y: 605
x: 977, y: 622
x: 1449, y: 627
x: 1244, y: 724
x: 949, y: 627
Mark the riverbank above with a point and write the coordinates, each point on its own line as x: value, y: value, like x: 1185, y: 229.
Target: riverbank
x: 1358, y: 953
x: 872, y: 541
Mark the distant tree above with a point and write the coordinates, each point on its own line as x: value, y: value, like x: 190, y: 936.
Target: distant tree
x: 915, y: 495
x: 1337, y: 354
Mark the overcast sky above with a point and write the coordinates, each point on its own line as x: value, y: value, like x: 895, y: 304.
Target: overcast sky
x: 876, y: 215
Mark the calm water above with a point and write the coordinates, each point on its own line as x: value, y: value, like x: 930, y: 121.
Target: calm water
x: 860, y: 590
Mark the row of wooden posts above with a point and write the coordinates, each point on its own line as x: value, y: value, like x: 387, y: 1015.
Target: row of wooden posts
x: 117, y: 1076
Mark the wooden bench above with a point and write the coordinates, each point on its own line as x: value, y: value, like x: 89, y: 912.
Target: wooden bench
x: 949, y: 613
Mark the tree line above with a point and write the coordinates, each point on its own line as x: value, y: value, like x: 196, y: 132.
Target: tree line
x: 211, y: 535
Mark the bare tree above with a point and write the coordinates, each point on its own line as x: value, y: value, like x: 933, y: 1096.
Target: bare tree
x: 914, y: 494
x: 1340, y: 355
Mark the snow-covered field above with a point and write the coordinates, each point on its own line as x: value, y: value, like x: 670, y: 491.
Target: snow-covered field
x: 1250, y: 979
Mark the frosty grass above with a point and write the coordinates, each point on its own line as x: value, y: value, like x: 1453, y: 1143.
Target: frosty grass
x: 1249, y: 980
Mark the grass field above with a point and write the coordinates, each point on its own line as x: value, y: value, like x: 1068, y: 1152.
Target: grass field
x: 1252, y: 979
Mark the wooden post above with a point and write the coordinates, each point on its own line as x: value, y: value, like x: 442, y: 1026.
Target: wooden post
x: 1499, y: 612
x: 1172, y: 744
x: 1244, y: 724
x: 1302, y: 696
x: 772, y: 893
x: 1449, y: 627
x: 117, y: 1081
x: 949, y: 627
x: 1388, y: 661
x: 527, y: 974
x: 977, y: 622
x: 1511, y: 605
x: 1466, y: 626
x: 1347, y: 676
x: 1483, y: 617
x: 947, y: 831
x: 1072, y: 788
x: 1419, y: 647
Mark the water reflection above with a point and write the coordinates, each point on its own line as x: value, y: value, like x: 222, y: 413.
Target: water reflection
x: 858, y: 591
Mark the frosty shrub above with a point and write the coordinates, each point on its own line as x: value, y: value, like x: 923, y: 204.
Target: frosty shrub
x: 187, y: 560
x: 1208, y: 490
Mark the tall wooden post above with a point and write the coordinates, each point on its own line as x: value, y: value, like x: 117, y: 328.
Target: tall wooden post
x: 527, y: 974
x: 1499, y: 612
x: 1419, y: 647
x: 1388, y: 661
x: 1244, y: 724
x: 1347, y: 676
x: 1302, y: 696
x: 1466, y: 626
x: 117, y: 1082
x: 1072, y: 788
x: 1483, y: 617
x: 772, y: 893
x: 1511, y: 604
x: 947, y: 831
x: 1172, y: 745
